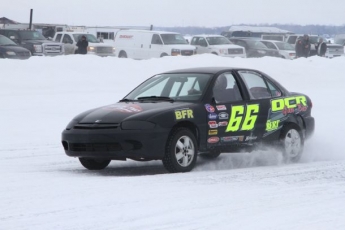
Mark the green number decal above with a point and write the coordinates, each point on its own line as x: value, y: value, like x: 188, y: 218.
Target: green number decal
x: 251, y: 116
x: 237, y: 116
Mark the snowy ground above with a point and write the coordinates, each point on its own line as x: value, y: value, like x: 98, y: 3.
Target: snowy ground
x: 41, y: 188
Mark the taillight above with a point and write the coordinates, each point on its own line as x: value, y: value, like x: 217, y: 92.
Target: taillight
x: 311, y: 104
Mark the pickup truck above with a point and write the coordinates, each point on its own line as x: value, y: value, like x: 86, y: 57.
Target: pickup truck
x: 69, y: 41
x: 33, y: 41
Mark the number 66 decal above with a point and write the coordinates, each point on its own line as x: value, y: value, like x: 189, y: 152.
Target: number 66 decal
x: 237, y: 116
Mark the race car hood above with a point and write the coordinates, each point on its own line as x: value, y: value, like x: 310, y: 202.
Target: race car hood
x: 124, y: 111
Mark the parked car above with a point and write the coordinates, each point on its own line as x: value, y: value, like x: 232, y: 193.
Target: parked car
x: 176, y: 115
x: 70, y: 39
x: 218, y: 45
x: 9, y: 49
x: 33, y: 41
x: 255, y: 48
x: 145, y: 44
x: 333, y: 50
x: 285, y: 49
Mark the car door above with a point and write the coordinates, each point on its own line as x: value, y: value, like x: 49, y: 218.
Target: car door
x: 156, y: 46
x: 68, y: 44
x: 259, y: 93
x: 200, y: 44
x: 233, y: 118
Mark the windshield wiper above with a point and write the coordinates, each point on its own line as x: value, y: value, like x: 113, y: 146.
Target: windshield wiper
x: 156, y: 98
x: 126, y: 100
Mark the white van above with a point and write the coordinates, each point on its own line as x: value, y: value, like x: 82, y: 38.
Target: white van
x: 145, y: 44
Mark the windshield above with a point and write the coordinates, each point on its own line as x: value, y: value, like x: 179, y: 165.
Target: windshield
x: 217, y: 41
x: 89, y: 37
x: 256, y: 44
x: 178, y: 87
x: 31, y: 35
x: 170, y: 39
x: 340, y: 41
x: 284, y: 46
x: 6, y: 41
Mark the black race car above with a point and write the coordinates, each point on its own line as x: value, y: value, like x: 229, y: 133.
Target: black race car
x: 178, y: 115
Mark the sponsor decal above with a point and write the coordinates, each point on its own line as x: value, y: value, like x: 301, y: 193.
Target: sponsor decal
x: 184, y: 114
x: 286, y: 111
x: 240, y: 120
x: 223, y: 115
x: 272, y: 125
x: 213, y: 124
x: 212, y: 132
x: 209, y: 108
x: 301, y: 108
x: 288, y: 103
x: 213, y: 140
x: 124, y: 108
x: 232, y: 138
x: 221, y: 107
x: 126, y: 36
x: 212, y: 116
x: 251, y: 138
x: 223, y: 123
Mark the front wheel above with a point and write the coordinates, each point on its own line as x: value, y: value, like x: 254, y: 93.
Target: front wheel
x: 181, y: 151
x: 123, y: 54
x: 292, y: 144
x: 94, y: 164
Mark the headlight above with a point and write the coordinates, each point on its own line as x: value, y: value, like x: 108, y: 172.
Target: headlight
x: 175, y: 52
x: 91, y: 49
x: 71, y: 124
x: 137, y: 125
x: 223, y: 51
x: 10, y: 53
x: 38, y: 48
x: 114, y: 49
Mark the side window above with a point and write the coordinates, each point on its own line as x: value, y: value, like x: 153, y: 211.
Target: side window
x: 202, y: 42
x: 194, y: 41
x: 156, y: 40
x: 58, y: 38
x: 67, y: 39
x: 292, y: 39
x: 270, y: 45
x: 12, y: 34
x: 255, y: 84
x: 225, y: 89
x: 275, y: 92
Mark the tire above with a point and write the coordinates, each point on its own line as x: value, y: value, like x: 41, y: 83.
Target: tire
x: 292, y: 143
x: 210, y: 155
x: 122, y: 54
x: 181, y: 151
x: 94, y: 164
x: 164, y: 55
x: 214, y: 53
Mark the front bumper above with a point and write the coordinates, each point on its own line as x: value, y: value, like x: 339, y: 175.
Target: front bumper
x: 116, y: 144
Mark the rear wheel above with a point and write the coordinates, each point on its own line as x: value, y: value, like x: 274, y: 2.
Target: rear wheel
x: 181, y: 151
x: 164, y: 55
x: 122, y: 54
x: 94, y: 164
x: 292, y: 144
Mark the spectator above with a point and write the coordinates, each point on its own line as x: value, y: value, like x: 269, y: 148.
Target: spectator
x: 321, y: 48
x: 82, y: 45
x: 298, y: 48
x: 305, y: 46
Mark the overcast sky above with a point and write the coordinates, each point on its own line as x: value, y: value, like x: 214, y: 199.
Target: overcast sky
x: 210, y: 13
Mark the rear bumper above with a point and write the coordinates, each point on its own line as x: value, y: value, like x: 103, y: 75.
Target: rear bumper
x: 309, y: 126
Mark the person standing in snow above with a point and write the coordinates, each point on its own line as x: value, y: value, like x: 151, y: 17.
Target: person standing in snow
x: 299, y: 49
x: 305, y: 46
x: 82, y: 45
